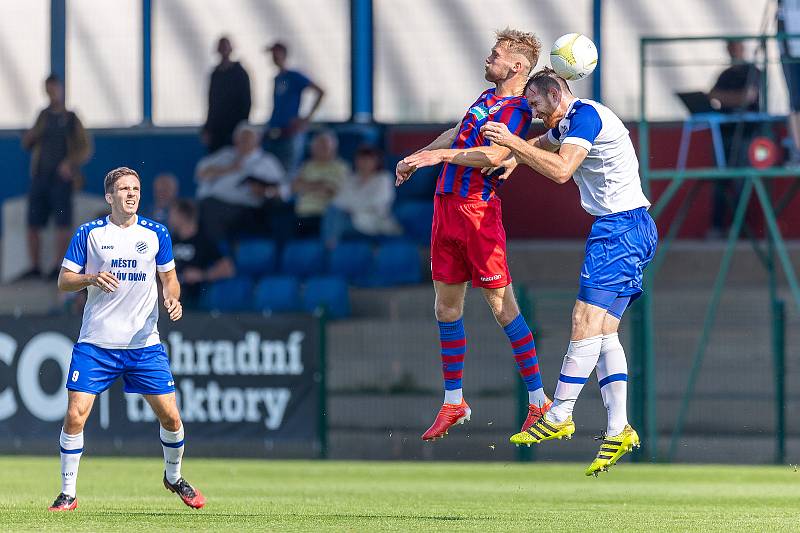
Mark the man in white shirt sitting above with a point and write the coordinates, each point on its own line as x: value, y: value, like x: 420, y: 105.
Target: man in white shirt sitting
x: 228, y: 206
x: 363, y: 205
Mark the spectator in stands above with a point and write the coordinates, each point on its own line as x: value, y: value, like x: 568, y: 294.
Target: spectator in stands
x: 735, y: 91
x: 276, y: 211
x: 363, y: 205
x: 227, y: 206
x: 165, y: 194
x: 228, y: 99
x: 317, y: 182
x: 286, y: 128
x: 59, y: 145
x: 789, y: 22
x: 198, y: 261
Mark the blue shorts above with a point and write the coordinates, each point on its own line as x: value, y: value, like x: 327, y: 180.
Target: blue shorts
x: 618, y: 249
x: 144, y: 370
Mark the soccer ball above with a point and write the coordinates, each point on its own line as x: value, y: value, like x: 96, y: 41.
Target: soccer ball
x: 573, y: 56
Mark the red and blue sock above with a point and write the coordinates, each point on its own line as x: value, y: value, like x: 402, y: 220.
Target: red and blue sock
x: 454, y: 347
x: 524, y: 349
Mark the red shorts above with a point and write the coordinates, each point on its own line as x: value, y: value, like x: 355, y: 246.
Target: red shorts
x: 468, y: 242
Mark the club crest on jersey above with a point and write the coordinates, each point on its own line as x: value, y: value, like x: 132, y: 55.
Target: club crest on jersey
x: 141, y: 247
x: 495, y: 108
x: 479, y: 112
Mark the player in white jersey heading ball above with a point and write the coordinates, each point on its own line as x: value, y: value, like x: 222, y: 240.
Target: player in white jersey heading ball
x: 116, y: 259
x: 587, y: 142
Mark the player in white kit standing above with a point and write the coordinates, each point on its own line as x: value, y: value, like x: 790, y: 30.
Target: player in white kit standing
x: 116, y: 259
x: 588, y: 143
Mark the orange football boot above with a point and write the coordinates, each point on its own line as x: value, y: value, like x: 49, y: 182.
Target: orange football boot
x: 535, y: 413
x: 449, y: 415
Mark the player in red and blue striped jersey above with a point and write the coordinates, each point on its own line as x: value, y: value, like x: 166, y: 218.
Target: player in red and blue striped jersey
x: 468, y: 242
x: 470, y: 182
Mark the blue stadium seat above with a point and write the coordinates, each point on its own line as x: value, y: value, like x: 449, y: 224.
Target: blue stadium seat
x: 229, y: 295
x: 304, y: 258
x: 397, y: 263
x: 352, y: 260
x: 255, y: 257
x: 329, y: 292
x: 278, y: 294
x: 416, y: 218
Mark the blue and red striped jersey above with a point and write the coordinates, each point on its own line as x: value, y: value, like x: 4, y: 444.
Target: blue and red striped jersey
x: 469, y: 182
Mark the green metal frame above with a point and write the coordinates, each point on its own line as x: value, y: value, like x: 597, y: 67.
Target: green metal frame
x: 322, y: 372
x: 642, y: 364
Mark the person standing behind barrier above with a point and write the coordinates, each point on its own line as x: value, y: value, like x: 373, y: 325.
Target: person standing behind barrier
x: 317, y: 182
x: 285, y: 135
x: 735, y: 91
x: 59, y: 145
x: 789, y: 22
x: 228, y: 99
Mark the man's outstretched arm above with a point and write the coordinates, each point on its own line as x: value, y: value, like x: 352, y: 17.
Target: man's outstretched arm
x: 557, y: 166
x: 403, y: 170
x: 478, y: 156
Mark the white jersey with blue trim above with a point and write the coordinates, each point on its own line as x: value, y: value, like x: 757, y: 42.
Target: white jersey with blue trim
x: 608, y: 178
x: 128, y: 317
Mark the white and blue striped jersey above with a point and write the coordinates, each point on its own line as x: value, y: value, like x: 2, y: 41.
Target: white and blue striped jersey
x: 608, y: 179
x: 126, y: 318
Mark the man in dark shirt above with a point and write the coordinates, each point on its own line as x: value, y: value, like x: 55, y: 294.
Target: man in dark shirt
x: 198, y: 261
x: 736, y: 91
x: 59, y: 145
x: 285, y: 134
x: 228, y: 99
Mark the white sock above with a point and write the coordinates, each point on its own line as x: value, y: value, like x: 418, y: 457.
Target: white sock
x: 172, y: 442
x: 612, y: 375
x: 454, y: 396
x: 579, y: 362
x: 71, y: 451
x: 536, y: 397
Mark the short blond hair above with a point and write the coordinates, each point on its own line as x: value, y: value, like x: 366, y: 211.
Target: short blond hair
x: 526, y: 44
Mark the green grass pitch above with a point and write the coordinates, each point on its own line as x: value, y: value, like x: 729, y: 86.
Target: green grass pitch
x: 119, y: 494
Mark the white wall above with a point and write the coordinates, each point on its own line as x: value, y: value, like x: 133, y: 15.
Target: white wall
x: 24, y: 60
x: 625, y: 21
x: 428, y: 62
x: 104, y: 61
x: 185, y: 34
x: 429, y: 55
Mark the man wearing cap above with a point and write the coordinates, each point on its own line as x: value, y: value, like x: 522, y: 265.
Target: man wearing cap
x: 285, y: 134
x: 227, y: 205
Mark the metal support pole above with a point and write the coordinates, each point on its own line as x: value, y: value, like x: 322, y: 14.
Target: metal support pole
x: 322, y: 371
x: 597, y: 37
x: 527, y: 308
x: 147, y: 62
x: 58, y: 40
x: 711, y: 313
x: 775, y: 234
x: 779, y: 353
x: 362, y: 53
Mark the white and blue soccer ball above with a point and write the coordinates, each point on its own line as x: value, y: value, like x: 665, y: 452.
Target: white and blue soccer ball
x: 573, y: 56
